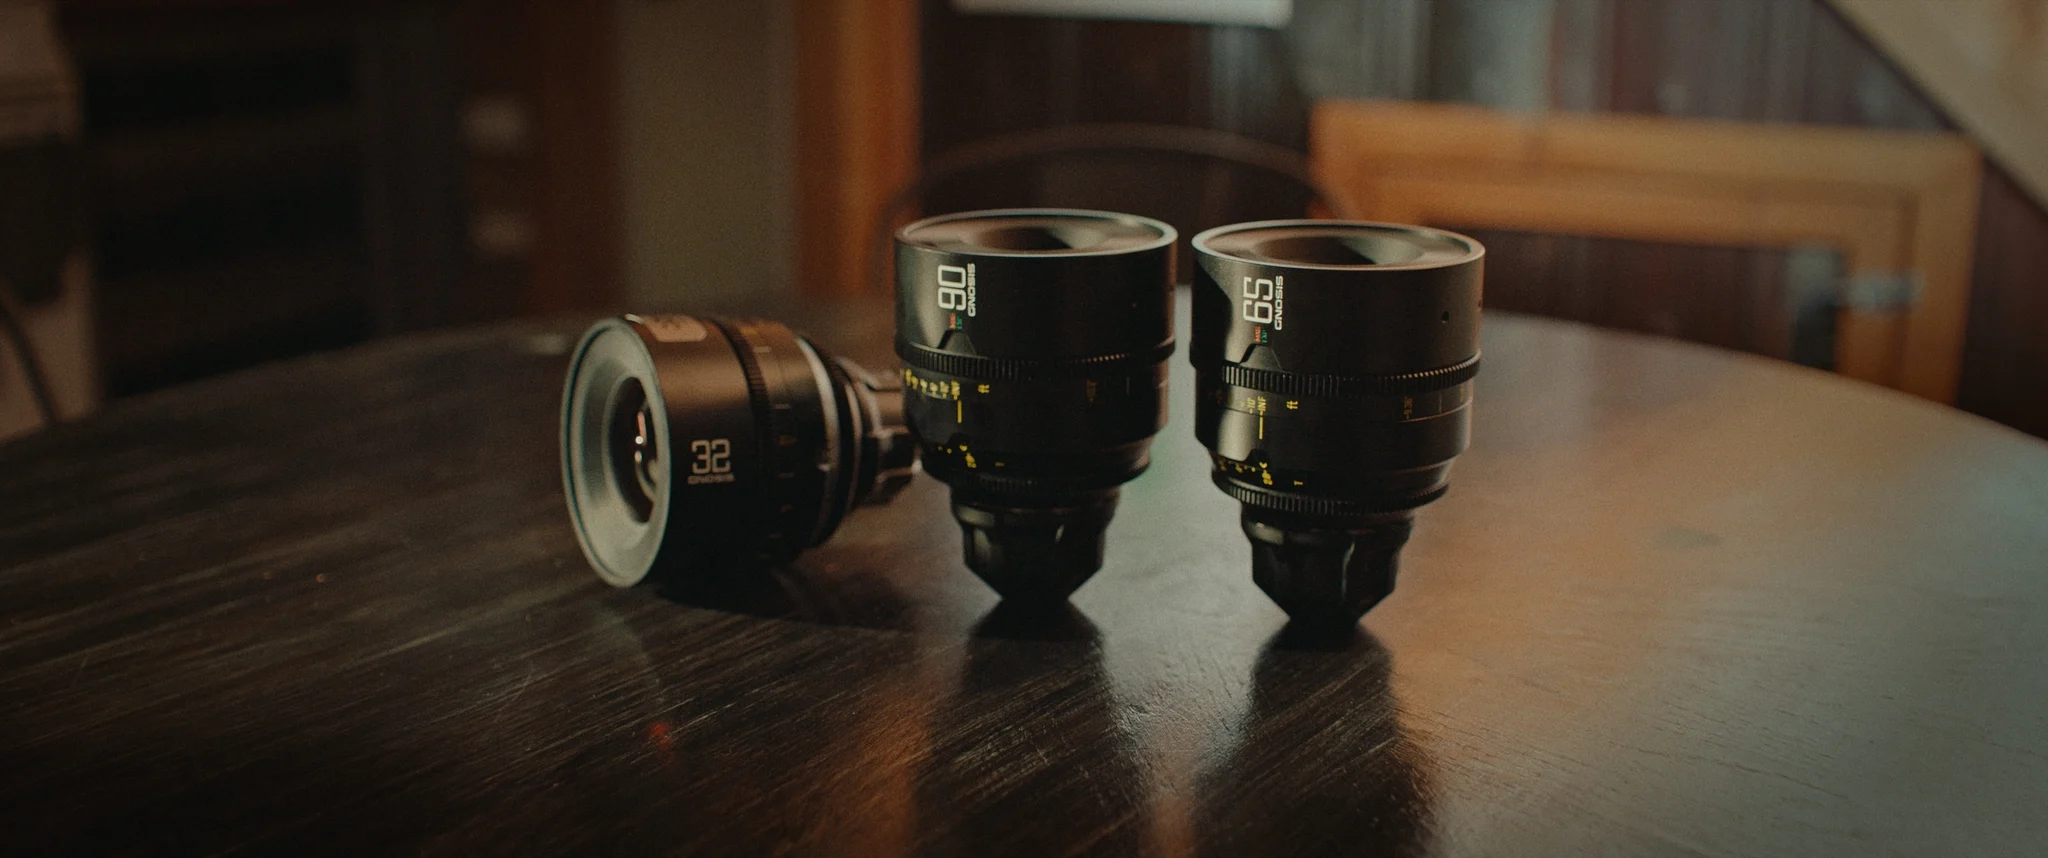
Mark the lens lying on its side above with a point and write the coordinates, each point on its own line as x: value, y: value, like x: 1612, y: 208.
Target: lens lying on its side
x: 1036, y: 343
x: 692, y: 445
x: 1335, y: 362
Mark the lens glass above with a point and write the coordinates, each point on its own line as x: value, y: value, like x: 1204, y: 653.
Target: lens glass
x: 621, y: 521
x: 1291, y: 244
x: 633, y: 448
x: 1029, y: 238
x: 1036, y: 231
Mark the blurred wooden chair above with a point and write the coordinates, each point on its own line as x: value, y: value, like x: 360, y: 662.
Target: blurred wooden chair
x: 48, y: 369
x: 1900, y: 207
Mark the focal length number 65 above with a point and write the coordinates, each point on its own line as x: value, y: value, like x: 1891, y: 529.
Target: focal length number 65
x: 1261, y: 300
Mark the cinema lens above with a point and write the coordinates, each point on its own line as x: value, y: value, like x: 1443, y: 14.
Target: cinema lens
x: 696, y: 445
x: 1334, y: 363
x: 1035, y: 345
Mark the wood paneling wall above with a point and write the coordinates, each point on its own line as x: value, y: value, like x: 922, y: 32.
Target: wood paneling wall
x: 225, y: 184
x: 538, y: 149
x: 269, y: 179
x: 987, y: 75
x: 857, y: 87
x: 2005, y: 360
x: 1769, y: 60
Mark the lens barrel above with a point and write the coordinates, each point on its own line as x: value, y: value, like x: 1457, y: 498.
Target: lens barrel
x: 695, y: 445
x: 1035, y: 343
x: 1334, y: 362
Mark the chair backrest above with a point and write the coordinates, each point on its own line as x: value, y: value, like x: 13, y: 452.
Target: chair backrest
x: 1891, y: 202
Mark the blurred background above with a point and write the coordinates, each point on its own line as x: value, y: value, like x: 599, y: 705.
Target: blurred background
x: 195, y: 187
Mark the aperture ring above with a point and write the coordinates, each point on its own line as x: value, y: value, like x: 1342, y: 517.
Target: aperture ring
x: 1306, y: 384
x: 1034, y: 369
x: 1313, y: 505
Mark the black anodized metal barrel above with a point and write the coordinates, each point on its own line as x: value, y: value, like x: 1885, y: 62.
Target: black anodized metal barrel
x: 695, y: 445
x: 1034, y: 343
x: 1334, y: 389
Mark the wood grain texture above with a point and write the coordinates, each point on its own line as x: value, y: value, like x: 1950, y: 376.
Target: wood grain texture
x: 1679, y: 601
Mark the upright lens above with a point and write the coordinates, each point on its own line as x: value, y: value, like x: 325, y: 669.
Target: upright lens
x: 1335, y: 362
x: 1036, y: 342
x: 691, y: 445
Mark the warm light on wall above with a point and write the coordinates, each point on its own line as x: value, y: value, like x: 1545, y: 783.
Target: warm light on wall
x: 1253, y: 13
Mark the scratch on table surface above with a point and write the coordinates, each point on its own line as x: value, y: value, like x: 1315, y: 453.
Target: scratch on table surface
x: 523, y: 683
x: 82, y: 662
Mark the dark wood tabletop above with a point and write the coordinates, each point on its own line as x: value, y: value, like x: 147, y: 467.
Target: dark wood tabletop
x: 1678, y: 601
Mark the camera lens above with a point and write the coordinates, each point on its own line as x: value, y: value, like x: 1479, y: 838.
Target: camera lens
x: 1334, y: 364
x: 693, y: 445
x: 1036, y: 343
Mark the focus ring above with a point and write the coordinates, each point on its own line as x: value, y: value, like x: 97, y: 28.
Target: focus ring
x: 768, y: 426
x: 1312, y: 505
x: 1342, y: 386
x: 1033, y: 369
x: 757, y: 384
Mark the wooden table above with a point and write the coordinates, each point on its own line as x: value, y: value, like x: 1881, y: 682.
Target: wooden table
x: 1678, y: 601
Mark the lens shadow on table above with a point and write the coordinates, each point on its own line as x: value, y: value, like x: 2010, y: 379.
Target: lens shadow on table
x: 1003, y: 742
x: 1029, y: 757
x: 800, y: 593
x: 710, y: 733
x: 1321, y: 765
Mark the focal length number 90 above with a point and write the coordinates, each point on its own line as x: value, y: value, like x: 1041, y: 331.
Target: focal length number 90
x: 956, y: 288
